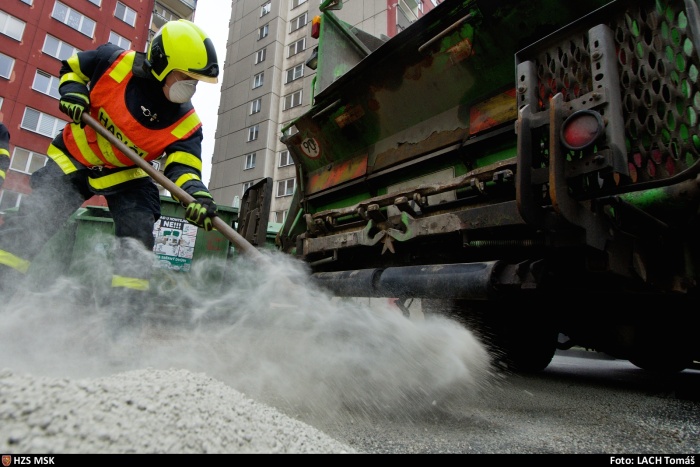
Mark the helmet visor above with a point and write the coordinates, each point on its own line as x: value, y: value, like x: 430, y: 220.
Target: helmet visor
x: 197, y: 76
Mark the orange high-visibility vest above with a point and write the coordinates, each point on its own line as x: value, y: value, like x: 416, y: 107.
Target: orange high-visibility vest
x: 108, y: 106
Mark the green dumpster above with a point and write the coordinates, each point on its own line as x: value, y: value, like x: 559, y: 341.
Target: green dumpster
x: 179, y: 244
x: 87, y: 238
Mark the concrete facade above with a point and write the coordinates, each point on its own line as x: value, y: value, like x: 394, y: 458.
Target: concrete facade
x: 271, y: 40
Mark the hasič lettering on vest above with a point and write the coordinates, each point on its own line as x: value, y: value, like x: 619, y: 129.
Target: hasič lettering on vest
x: 109, y: 125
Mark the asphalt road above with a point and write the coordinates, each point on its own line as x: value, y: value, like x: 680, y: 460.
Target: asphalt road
x: 583, y: 403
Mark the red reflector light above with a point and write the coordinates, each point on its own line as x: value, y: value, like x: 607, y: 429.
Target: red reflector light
x: 581, y: 129
x: 315, y: 27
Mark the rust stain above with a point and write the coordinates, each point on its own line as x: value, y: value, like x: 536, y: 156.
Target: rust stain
x: 461, y: 51
x: 327, y: 177
x: 350, y: 115
x: 492, y: 112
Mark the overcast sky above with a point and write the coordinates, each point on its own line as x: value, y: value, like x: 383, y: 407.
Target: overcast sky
x: 213, y: 17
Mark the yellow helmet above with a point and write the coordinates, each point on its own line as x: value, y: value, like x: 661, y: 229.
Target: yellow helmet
x: 182, y: 45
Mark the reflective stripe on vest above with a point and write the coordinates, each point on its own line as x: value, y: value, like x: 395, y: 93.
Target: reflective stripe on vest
x: 122, y: 68
x: 190, y: 123
x: 15, y: 262
x: 108, y: 181
x: 81, y: 140
x: 130, y: 282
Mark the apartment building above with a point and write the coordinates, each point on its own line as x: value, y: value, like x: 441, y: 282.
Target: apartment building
x: 35, y: 35
x: 266, y: 85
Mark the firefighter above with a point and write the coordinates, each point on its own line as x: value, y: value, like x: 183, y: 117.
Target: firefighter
x: 143, y: 98
x: 4, y: 152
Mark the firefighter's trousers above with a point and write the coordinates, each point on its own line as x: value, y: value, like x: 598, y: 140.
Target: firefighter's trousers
x: 55, y: 196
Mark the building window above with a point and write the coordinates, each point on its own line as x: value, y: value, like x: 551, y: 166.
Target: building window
x: 73, y: 19
x: 118, y: 40
x: 7, y: 63
x: 28, y: 2
x: 299, y: 22
x: 294, y: 73
x: 26, y: 161
x: 9, y: 199
x: 260, y: 56
x: 292, y: 100
x: 41, y: 123
x: 278, y: 217
x: 255, y: 106
x: 125, y: 14
x: 296, y: 3
x: 434, y: 2
x: 96, y: 2
x: 162, y: 15
x: 297, y: 47
x: 57, y: 48
x: 249, y: 161
x: 285, y: 188
x: 253, y: 132
x: 263, y: 31
x: 46, y: 84
x: 247, y: 185
x: 258, y: 80
x: 11, y: 26
x: 265, y: 9
x: 285, y: 159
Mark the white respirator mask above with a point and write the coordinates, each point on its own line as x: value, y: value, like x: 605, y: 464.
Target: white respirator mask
x: 182, y: 91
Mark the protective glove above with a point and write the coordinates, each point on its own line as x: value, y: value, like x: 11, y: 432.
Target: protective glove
x: 200, y: 211
x: 74, y: 104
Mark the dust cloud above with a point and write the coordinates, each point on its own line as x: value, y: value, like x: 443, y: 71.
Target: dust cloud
x: 261, y: 327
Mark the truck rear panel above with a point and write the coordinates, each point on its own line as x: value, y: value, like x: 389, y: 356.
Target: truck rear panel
x: 496, y: 150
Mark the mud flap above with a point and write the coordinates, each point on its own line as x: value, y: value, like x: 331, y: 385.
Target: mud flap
x: 255, y: 212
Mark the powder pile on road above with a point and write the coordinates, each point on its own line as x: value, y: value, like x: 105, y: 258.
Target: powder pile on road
x: 219, y: 367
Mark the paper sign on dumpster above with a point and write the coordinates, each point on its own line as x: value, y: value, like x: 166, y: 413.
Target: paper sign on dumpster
x: 174, y: 243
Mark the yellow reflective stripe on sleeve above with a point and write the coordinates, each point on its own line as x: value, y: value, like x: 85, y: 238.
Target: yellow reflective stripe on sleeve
x: 187, y: 125
x: 72, y: 78
x: 108, y: 181
x: 2, y: 174
x: 130, y: 282
x: 123, y: 67
x: 15, y: 262
x: 4, y: 152
x: 184, y: 158
x: 182, y: 179
x: 61, y: 159
x: 81, y: 140
x: 74, y: 65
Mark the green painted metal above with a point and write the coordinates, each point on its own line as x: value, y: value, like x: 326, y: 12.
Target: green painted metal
x: 413, y: 94
x: 87, y: 239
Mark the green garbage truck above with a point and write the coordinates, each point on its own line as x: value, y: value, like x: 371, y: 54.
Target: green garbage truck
x: 528, y: 167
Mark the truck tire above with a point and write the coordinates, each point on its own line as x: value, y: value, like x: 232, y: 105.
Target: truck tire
x: 662, y: 352
x: 529, y: 347
x: 667, y: 344
x: 519, y: 342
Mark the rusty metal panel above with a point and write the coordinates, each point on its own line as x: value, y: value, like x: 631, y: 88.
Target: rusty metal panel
x: 444, y: 79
